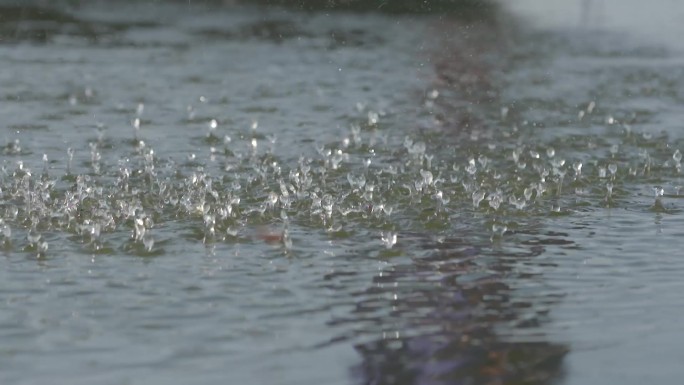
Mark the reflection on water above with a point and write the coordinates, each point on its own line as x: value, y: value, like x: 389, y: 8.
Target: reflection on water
x: 445, y: 327
x: 441, y: 317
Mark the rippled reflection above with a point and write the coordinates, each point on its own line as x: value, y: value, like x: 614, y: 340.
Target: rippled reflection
x: 442, y: 317
x: 445, y: 319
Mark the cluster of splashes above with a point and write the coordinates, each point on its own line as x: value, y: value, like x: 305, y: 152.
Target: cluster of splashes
x: 365, y: 180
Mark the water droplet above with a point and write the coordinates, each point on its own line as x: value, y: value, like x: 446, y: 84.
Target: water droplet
x: 658, y: 192
x: 557, y: 163
x: 408, y: 143
x: 612, y: 168
x: 372, y: 118
x: 45, y: 164
x: 550, y: 152
x: 482, y: 160
x: 614, y: 149
x: 287, y: 241
x: 33, y: 236
x: 495, y: 200
x: 356, y: 183
x: 148, y: 242
x: 577, y: 166
x: 478, y: 196
x: 6, y: 231
x: 528, y: 193
x: 42, y: 249
x: 417, y: 149
x: 498, y: 229
x: 389, y: 239
x: 516, y: 155
x: 70, y: 159
x: 427, y: 177
x: 590, y: 107
x: 519, y: 203
x: 602, y: 172
x: 471, y: 168
x: 139, y: 229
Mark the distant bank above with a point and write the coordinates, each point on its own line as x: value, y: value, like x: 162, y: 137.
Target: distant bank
x: 401, y: 6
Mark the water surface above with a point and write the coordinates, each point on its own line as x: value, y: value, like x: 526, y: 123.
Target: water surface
x: 261, y: 195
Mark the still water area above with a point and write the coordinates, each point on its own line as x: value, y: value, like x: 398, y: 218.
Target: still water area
x: 203, y: 192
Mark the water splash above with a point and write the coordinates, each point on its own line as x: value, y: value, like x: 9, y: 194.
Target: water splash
x: 389, y: 239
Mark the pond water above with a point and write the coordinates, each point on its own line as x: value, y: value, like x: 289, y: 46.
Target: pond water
x: 210, y: 193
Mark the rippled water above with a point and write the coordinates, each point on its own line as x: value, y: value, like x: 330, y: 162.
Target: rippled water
x: 260, y: 195
x: 620, y: 279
